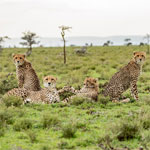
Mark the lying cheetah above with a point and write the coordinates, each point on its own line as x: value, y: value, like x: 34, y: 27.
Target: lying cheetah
x: 89, y: 90
x: 26, y: 75
x: 126, y: 78
x: 47, y: 95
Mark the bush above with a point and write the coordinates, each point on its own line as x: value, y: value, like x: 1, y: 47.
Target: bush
x: 145, y: 120
x: 6, y: 117
x: 23, y: 124
x: 103, y: 100
x: 69, y: 131
x: 12, y: 101
x: 49, y: 121
x: 126, y: 130
x: 7, y: 83
x: 78, y: 100
x: 32, y: 136
x: 2, y: 132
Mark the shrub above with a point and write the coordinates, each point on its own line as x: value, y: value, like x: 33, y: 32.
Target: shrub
x: 2, y: 132
x: 32, y: 136
x: 78, y: 100
x: 145, y: 120
x: 22, y: 124
x: 45, y: 147
x: 12, y: 101
x: 6, y: 117
x: 103, y: 100
x: 69, y: 130
x: 7, y: 83
x: 126, y: 130
x: 49, y: 121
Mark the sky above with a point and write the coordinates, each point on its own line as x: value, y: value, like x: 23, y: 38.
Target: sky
x: 86, y: 17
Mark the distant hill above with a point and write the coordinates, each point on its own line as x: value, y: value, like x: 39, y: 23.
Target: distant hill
x: 78, y: 41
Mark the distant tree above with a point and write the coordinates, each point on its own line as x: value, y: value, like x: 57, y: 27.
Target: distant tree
x: 108, y: 43
x: 63, y: 28
x: 127, y: 41
x: 147, y: 37
x: 30, y: 40
x: 2, y: 40
x: 141, y: 44
x: 129, y: 44
x: 86, y: 44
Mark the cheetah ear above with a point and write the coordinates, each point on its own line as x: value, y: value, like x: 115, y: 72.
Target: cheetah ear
x: 24, y: 55
x: 144, y: 54
x: 13, y: 55
x: 95, y: 80
x: 134, y: 53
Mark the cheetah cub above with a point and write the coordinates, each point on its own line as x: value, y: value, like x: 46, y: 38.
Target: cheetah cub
x: 26, y: 75
x: 89, y: 90
x: 126, y: 78
x: 47, y: 95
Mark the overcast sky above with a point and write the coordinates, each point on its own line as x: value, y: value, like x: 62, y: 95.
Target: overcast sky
x: 87, y: 17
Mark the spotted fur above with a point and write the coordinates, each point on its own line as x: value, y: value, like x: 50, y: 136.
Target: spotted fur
x: 126, y: 78
x: 26, y: 75
x: 89, y: 90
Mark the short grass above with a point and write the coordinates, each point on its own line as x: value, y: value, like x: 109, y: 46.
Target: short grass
x: 81, y: 124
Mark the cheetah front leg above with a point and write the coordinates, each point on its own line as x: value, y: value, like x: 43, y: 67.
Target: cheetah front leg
x: 20, y: 81
x: 67, y: 89
x: 134, y: 91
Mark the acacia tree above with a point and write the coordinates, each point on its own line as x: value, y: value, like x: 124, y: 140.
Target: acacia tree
x: 127, y: 40
x: 63, y: 28
x: 108, y: 43
x: 2, y: 40
x: 147, y: 37
x: 30, y: 40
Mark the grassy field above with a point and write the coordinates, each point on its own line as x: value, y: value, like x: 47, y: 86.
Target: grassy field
x: 81, y: 124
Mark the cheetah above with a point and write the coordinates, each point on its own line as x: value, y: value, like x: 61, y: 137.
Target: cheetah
x: 89, y: 90
x: 47, y: 95
x: 126, y: 78
x: 26, y: 75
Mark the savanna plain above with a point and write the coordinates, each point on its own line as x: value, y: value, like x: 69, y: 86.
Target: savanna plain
x: 80, y: 124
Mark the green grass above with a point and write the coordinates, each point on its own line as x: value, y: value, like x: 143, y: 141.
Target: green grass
x: 81, y: 124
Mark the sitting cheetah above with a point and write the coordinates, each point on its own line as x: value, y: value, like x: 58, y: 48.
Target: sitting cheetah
x: 89, y: 90
x: 47, y: 95
x: 26, y: 75
x: 126, y: 78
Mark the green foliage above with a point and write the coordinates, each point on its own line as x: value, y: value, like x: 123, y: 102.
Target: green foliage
x: 69, y: 130
x: 77, y: 100
x: 49, y: 120
x: 126, y: 130
x: 32, y: 136
x: 6, y: 117
x: 7, y: 83
x: 12, y: 101
x: 22, y: 124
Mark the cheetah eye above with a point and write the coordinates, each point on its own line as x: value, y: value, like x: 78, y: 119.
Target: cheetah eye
x: 52, y: 79
x: 137, y: 55
x: 46, y: 79
x: 15, y: 57
x: 142, y: 55
x: 20, y: 58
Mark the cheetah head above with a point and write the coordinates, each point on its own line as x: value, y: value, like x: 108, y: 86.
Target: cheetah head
x: 90, y: 83
x: 139, y: 57
x: 49, y: 81
x: 18, y: 59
